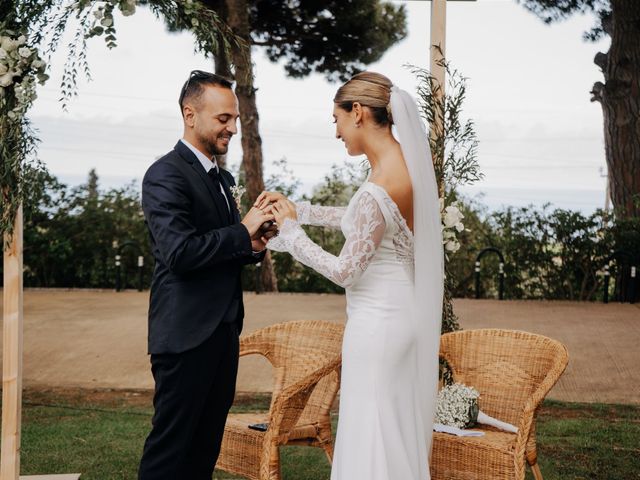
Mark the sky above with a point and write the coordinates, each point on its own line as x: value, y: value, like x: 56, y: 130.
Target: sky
x: 540, y: 137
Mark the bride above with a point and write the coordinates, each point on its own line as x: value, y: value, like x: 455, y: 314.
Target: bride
x: 391, y: 266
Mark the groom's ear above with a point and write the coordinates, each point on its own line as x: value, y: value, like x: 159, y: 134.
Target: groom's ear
x: 188, y: 114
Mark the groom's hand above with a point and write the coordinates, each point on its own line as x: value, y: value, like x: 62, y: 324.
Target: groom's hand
x: 269, y: 230
x: 254, y: 219
x: 266, y: 232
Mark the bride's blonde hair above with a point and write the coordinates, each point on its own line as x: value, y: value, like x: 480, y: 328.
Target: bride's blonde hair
x: 369, y: 89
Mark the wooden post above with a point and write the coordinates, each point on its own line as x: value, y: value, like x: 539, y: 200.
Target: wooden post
x: 12, y: 360
x: 12, y: 354
x: 437, y: 49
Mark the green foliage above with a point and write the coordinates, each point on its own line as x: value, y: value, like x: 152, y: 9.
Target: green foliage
x: 549, y: 254
x: 90, y: 18
x: 70, y: 234
x: 458, y: 146
x: 17, y: 160
x: 20, y: 68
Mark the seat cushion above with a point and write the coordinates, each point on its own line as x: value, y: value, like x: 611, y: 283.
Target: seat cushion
x: 490, y: 457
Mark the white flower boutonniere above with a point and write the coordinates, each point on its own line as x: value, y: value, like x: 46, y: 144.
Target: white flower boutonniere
x: 237, y: 191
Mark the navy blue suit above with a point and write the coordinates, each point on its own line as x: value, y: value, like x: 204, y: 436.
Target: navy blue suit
x: 195, y: 313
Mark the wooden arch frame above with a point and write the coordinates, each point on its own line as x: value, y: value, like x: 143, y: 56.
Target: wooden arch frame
x: 13, y: 313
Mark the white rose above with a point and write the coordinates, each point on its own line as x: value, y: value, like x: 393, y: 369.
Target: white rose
x: 452, y: 246
x: 25, y: 52
x: 6, y: 79
x: 37, y: 63
x: 8, y: 44
x: 459, y: 227
x: 3, y: 69
x: 452, y: 216
x: 106, y: 22
x: 450, y: 219
x: 3, y: 54
x: 22, y: 40
x: 454, y: 209
x: 98, y: 14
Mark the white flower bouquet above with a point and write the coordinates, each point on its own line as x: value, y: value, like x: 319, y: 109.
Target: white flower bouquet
x: 457, y: 409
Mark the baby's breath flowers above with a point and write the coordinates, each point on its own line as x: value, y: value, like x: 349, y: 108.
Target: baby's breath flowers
x: 457, y: 406
x: 238, y: 191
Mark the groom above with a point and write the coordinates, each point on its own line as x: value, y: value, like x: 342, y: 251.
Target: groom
x: 195, y: 311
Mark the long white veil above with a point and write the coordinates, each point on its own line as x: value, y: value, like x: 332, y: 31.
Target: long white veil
x: 428, y: 248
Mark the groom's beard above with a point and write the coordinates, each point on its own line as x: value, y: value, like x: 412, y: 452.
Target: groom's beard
x: 216, y: 146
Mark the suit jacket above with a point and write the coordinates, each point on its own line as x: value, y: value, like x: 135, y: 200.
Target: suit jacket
x: 199, y: 254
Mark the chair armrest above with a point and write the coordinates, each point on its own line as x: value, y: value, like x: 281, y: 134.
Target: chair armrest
x: 288, y: 405
x: 254, y: 343
x: 538, y: 395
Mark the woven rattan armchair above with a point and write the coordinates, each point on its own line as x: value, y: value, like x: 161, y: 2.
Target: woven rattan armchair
x: 513, y: 371
x: 306, y: 357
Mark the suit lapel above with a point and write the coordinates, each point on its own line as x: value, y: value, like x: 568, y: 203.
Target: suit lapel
x: 188, y: 155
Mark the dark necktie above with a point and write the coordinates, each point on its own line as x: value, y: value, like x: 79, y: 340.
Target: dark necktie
x: 214, y: 174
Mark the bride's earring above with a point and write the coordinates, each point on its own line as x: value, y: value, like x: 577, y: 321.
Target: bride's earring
x: 357, y: 125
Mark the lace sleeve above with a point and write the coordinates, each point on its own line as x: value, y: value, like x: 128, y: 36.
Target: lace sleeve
x: 319, y: 216
x: 359, y: 248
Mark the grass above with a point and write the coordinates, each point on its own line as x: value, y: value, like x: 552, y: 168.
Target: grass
x: 100, y: 434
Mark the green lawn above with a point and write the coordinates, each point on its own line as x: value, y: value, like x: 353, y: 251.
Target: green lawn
x: 101, y: 436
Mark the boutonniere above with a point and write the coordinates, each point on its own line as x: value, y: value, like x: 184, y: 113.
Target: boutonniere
x: 237, y: 191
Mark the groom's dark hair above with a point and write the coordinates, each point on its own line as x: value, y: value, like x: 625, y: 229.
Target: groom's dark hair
x: 194, y: 86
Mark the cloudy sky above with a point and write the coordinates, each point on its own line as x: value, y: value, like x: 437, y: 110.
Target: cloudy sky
x: 528, y: 92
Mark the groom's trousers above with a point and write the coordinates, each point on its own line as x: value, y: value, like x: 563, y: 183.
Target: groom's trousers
x: 194, y: 391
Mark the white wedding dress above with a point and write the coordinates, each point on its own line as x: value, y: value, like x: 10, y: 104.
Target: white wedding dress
x: 381, y: 429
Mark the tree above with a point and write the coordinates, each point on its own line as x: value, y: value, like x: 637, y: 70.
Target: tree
x: 335, y: 38
x: 619, y: 95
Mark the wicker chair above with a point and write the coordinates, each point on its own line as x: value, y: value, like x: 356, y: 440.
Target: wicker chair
x: 306, y: 357
x: 513, y: 371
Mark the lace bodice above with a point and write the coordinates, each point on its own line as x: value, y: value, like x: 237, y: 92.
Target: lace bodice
x: 373, y: 227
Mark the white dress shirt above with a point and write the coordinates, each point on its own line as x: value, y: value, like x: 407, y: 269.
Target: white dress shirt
x: 206, y: 164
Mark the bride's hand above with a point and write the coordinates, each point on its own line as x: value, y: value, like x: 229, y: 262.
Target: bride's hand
x: 283, y: 209
x: 267, y: 198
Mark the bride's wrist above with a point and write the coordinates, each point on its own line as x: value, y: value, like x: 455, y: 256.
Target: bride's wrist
x: 289, y: 228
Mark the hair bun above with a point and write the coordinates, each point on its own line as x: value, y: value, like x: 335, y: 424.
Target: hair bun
x: 369, y: 89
